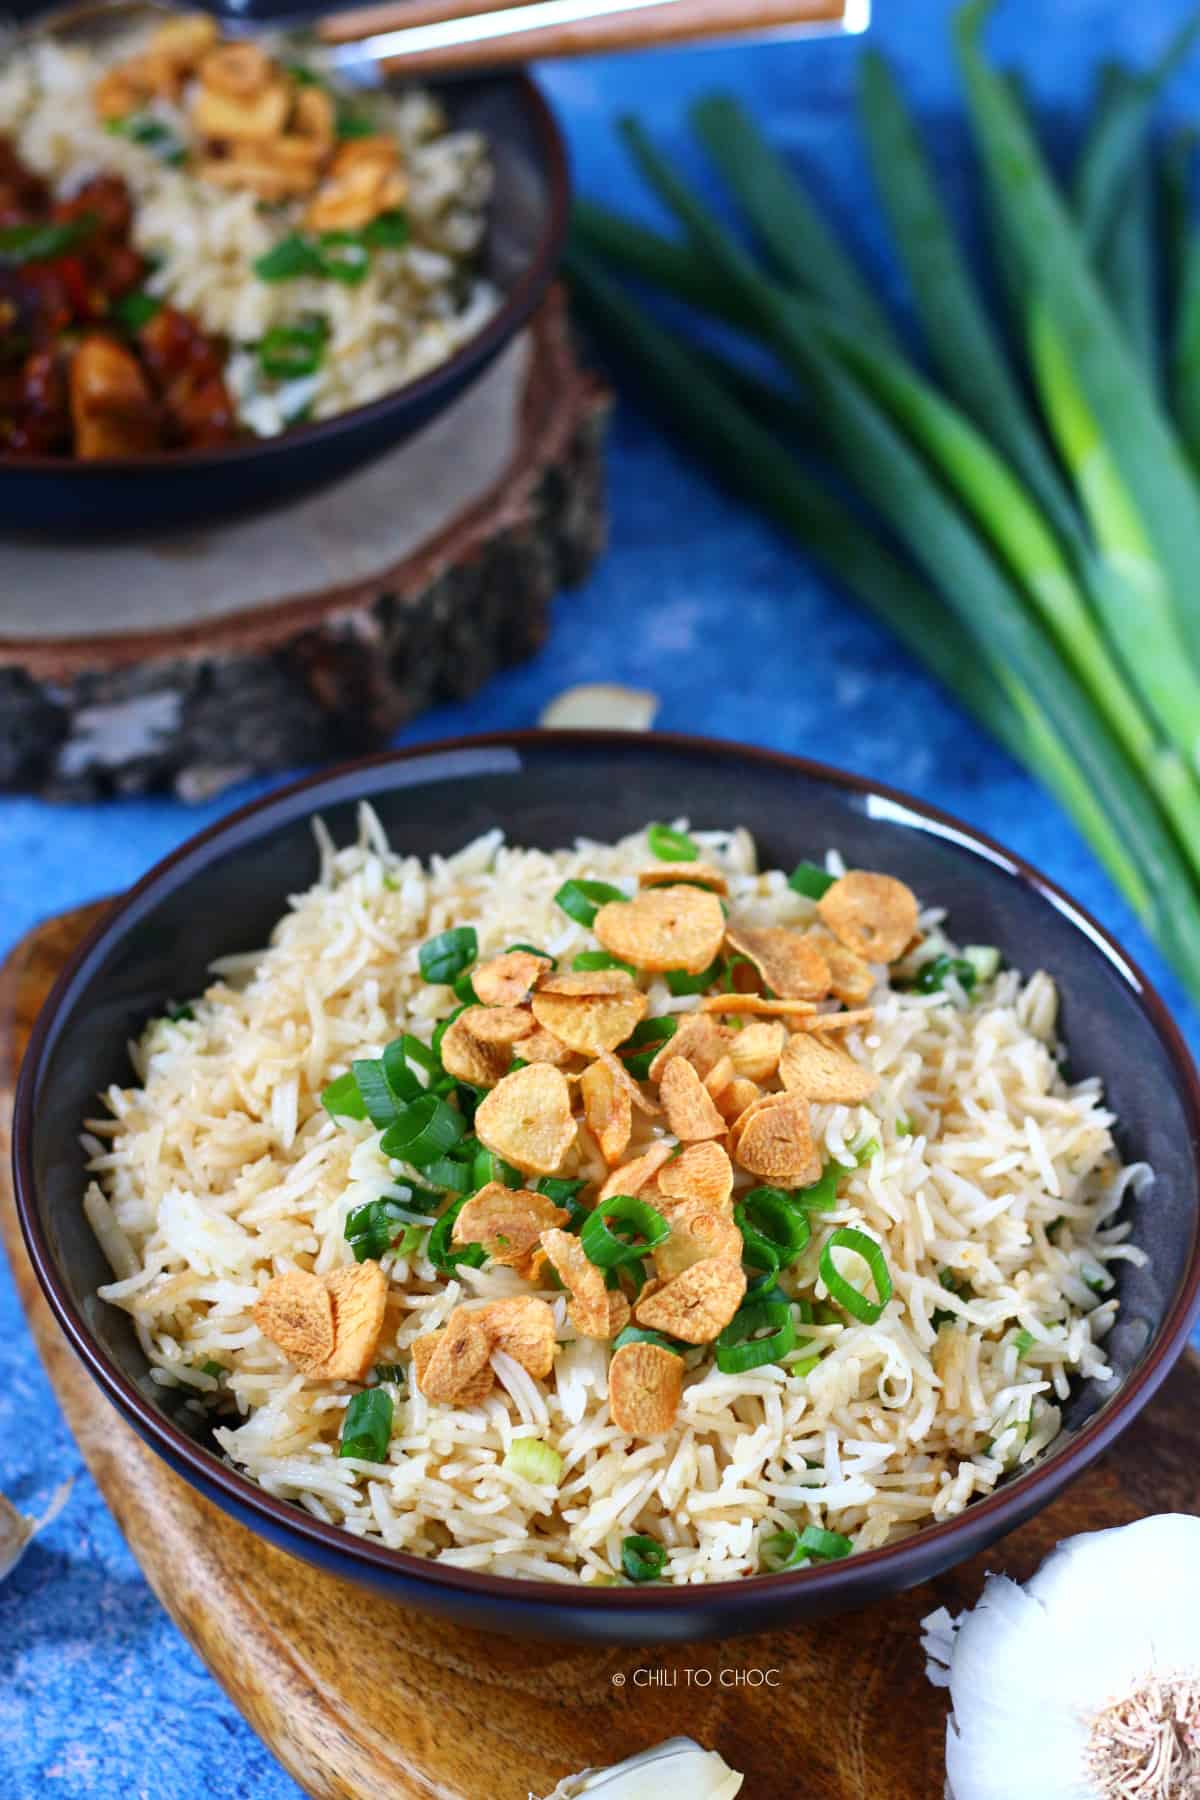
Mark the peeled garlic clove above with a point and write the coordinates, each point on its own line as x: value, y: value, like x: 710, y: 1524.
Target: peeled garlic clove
x: 17, y: 1528
x: 678, y: 1767
x: 600, y: 706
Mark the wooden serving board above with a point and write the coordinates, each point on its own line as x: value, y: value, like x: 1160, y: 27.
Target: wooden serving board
x: 362, y: 1700
x: 192, y: 658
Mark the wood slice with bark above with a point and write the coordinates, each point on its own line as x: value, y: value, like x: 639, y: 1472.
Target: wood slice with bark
x: 190, y: 660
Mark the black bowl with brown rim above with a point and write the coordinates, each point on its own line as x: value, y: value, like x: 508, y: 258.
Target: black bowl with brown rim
x: 526, y: 229
x: 223, y: 891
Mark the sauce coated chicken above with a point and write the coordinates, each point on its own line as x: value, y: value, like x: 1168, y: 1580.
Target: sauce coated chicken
x: 90, y: 365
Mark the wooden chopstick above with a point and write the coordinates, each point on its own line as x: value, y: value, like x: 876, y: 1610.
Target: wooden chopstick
x: 660, y: 23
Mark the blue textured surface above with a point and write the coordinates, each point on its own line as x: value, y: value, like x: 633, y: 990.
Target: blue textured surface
x: 99, y: 1696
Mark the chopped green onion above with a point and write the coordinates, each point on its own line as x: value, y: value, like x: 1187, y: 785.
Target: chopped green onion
x: 825, y: 1546
x: 1023, y: 1342
x: 415, y: 1051
x: 442, y: 1254
x: 387, y: 232
x: 852, y: 1299
x: 781, y: 1550
x: 600, y: 959
x: 670, y: 845
x: 440, y: 1030
x: 609, y: 1250
x: 399, y: 1077
x: 444, y: 957
x: 534, y: 1461
x: 533, y: 950
x: 775, y: 1232
x: 289, y: 352
x: 984, y: 959
x: 931, y: 978
x: 866, y: 1151
x: 728, y: 979
x: 1096, y: 1280
x: 151, y: 133
x: 822, y: 1196
x: 423, y: 1130
x: 464, y: 989
x: 178, y: 1014
x: 739, y: 1349
x: 216, y: 1370
x: 350, y: 124
x: 638, y: 1334
x: 132, y: 311
x: 559, y: 1189
x: 411, y: 1239
x: 802, y: 1370
x: 390, y: 1372
x: 377, y: 1096
x: 450, y: 1173
x: 582, y: 900
x: 680, y: 982
x: 292, y: 257
x: 21, y: 244
x: 810, y: 879
x: 343, y: 257
x: 371, y: 1230
x: 903, y: 1128
x: 487, y: 1166
x: 643, y: 1558
x: 653, y: 1033
x: 342, y: 1100
x: 367, y: 1426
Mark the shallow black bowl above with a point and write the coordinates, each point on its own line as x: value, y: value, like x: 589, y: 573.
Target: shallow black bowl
x: 224, y: 891
x: 527, y: 225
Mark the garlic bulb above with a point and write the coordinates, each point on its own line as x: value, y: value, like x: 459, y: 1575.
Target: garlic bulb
x: 676, y: 1770
x: 1085, y: 1683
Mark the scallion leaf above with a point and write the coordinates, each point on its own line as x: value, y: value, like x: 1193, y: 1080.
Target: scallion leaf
x: 680, y: 982
x: 423, y: 1130
x: 600, y: 959
x: 611, y: 1248
x: 444, y: 957
x: 367, y: 1426
x: 850, y: 1298
x: 646, y: 1040
x: 444, y: 1256
x: 291, y: 258
x: 582, y: 900
x: 638, y: 1334
x: 810, y: 879
x: 670, y: 845
x: 342, y: 1100
x: 534, y: 1461
x: 20, y: 244
x: 1023, y: 1342
x: 289, y: 352
x: 132, y: 311
x: 643, y: 1558
x: 740, y: 1347
x: 932, y: 976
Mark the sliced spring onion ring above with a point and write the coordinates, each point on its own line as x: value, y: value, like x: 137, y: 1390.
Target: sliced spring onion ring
x: 646, y: 1040
x: 810, y: 879
x: 395, y: 1059
x: 850, y: 1298
x: 367, y: 1426
x: 582, y: 900
x: 534, y: 1461
x: 680, y: 982
x: 608, y: 1250
x: 643, y: 1558
x: 425, y: 1129
x: 342, y: 1100
x: 601, y: 959
x: 444, y: 957
x: 738, y: 1348
x: 638, y: 1334
x: 670, y: 845
x: 377, y: 1096
x: 822, y: 1195
x: 445, y: 1257
x: 774, y: 1231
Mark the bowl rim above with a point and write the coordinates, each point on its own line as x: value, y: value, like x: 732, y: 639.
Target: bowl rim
x: 830, y: 1584
x: 478, y: 349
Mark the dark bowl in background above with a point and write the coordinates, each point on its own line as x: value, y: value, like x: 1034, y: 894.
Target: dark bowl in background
x: 225, y: 889
x: 527, y: 222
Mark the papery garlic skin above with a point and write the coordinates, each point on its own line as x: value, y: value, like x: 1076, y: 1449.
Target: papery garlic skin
x: 676, y: 1770
x: 1031, y: 1669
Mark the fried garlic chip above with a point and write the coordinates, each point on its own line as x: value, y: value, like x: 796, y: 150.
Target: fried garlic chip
x: 719, y: 1077
x: 733, y: 1101
x: 527, y: 1118
x: 699, y: 1039
x: 671, y: 874
x: 850, y: 978
x: 542, y: 1046
x: 823, y: 1072
x: 508, y: 1222
x: 696, y: 1305
x: 756, y: 1049
x: 467, y: 1059
x: 502, y: 1025
x: 295, y: 1311
x: 326, y: 1325
x: 460, y: 1357
x: 644, y: 1386
x: 873, y: 915
x: 590, y: 1023
x: 607, y: 1109
x: 507, y: 980
x: 698, y: 1234
x: 690, y: 1109
x: 584, y: 1282
x: 837, y: 1021
x: 789, y: 962
x: 700, y: 1172
x: 663, y: 928
x: 472, y: 1391
x: 756, y: 1003
x: 775, y: 1143
x: 523, y: 1327
x: 632, y: 1176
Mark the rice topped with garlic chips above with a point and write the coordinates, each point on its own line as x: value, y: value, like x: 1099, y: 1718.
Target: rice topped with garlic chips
x: 417, y: 304
x: 989, y: 1183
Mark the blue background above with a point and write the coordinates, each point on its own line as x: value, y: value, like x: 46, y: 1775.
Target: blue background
x: 697, y: 600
